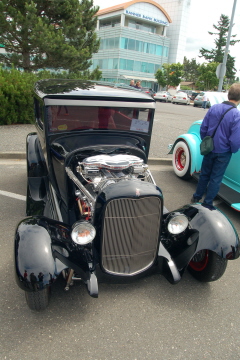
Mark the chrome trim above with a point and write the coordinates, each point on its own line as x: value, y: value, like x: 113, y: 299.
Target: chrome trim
x: 80, y: 186
x: 130, y: 235
x: 93, y: 103
x: 57, y: 208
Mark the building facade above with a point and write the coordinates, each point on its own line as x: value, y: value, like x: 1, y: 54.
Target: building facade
x: 134, y: 41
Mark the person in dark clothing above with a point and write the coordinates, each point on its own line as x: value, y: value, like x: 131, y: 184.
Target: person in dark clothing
x: 226, y: 142
x: 132, y: 83
x: 138, y: 85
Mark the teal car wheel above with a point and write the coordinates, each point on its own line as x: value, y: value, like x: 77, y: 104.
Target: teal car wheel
x: 181, y: 160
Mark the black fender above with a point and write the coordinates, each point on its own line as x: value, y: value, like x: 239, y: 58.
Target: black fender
x: 43, y: 248
x: 36, y: 165
x: 37, y: 182
x: 216, y: 232
x: 208, y: 230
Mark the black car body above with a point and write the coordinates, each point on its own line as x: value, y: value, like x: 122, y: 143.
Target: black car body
x: 93, y: 209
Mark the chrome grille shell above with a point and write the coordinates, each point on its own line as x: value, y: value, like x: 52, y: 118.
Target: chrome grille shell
x: 130, y: 235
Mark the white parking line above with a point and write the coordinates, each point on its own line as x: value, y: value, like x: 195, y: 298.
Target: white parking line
x: 12, y: 195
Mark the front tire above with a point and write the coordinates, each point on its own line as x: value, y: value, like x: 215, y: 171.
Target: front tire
x: 38, y: 300
x: 181, y: 160
x: 207, y: 266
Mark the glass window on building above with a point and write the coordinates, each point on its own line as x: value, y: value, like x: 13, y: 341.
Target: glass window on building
x: 146, y: 47
x: 165, y: 51
x: 105, y: 64
x: 130, y: 64
x: 152, y: 49
x: 110, y: 22
x: 142, y: 26
x: 122, y: 64
x: 137, y: 66
x: 150, y: 68
x: 131, y: 44
x: 111, y: 43
x: 139, y: 46
x: 159, y: 50
x: 124, y: 43
x: 115, y: 63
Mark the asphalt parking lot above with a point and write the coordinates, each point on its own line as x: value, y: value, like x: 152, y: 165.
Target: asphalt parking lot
x: 148, y: 319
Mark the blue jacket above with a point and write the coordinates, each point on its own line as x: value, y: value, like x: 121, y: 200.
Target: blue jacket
x: 227, y: 136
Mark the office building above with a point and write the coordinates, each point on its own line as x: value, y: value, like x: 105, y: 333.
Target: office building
x: 135, y: 42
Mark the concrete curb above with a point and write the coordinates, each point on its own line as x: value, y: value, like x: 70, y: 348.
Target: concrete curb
x: 22, y: 155
x: 12, y: 155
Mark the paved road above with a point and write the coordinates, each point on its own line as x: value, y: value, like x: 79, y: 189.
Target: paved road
x: 149, y: 319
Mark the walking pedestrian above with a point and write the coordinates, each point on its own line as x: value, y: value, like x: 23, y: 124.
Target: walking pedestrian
x: 226, y: 142
x: 204, y: 101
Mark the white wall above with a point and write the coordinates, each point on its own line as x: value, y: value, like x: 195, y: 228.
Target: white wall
x: 179, y: 11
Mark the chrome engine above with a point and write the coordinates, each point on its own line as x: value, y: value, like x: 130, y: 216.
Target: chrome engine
x: 98, y: 172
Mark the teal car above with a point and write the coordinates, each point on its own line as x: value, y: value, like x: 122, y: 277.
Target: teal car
x: 187, y: 159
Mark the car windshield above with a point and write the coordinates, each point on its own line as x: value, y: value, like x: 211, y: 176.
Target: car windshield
x: 70, y: 118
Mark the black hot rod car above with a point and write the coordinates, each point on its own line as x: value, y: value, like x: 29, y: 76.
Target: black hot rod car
x: 93, y: 208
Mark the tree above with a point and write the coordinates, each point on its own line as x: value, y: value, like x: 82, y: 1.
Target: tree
x: 216, y: 55
x: 170, y: 75
x: 207, y: 79
x: 56, y: 34
x: 190, y: 69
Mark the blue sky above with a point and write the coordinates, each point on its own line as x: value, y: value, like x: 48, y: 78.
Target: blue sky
x: 203, y: 14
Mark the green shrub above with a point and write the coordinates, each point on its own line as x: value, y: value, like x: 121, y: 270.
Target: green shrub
x: 16, y: 92
x: 16, y: 97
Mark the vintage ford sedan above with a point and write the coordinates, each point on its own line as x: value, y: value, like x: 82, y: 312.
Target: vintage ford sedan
x: 187, y: 159
x: 94, y: 211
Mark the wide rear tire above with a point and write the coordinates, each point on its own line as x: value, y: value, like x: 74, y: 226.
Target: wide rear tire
x: 181, y: 160
x: 207, y: 266
x: 38, y: 300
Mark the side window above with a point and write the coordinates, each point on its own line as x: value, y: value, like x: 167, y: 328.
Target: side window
x: 38, y: 113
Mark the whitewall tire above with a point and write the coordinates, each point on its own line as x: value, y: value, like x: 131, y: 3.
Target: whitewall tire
x: 181, y: 160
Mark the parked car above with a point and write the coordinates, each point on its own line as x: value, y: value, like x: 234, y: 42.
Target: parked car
x: 187, y: 159
x: 199, y: 100
x: 148, y: 91
x: 193, y: 95
x: 93, y: 208
x: 163, y: 96
x: 181, y: 98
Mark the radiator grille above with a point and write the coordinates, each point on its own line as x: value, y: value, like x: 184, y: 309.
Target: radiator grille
x: 130, y: 235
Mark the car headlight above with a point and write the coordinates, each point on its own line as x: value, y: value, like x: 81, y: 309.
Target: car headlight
x: 177, y: 224
x: 83, y: 233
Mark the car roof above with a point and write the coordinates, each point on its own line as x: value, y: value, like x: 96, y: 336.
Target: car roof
x: 72, y: 89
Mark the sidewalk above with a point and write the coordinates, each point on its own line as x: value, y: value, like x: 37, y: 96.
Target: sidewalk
x: 13, y: 143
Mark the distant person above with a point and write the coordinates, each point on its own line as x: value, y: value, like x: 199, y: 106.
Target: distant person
x: 226, y: 142
x: 138, y: 85
x: 204, y: 101
x: 132, y: 83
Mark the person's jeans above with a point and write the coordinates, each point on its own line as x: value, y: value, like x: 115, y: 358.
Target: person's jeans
x: 213, y: 168
x: 204, y: 104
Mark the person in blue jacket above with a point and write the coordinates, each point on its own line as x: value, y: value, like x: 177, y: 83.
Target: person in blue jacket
x: 226, y: 142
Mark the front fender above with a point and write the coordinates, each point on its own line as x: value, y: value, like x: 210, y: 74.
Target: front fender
x: 43, y: 248
x: 208, y: 230
x: 193, y: 142
x: 216, y: 232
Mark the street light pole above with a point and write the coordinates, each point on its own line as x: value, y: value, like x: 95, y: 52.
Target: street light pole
x: 223, y: 67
